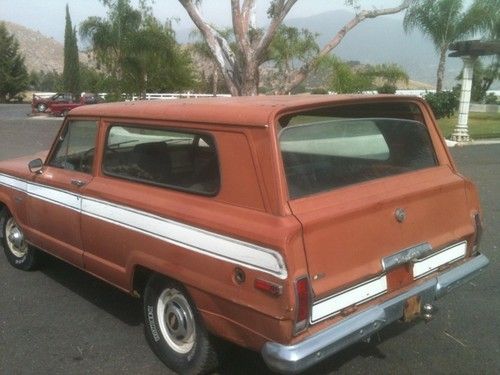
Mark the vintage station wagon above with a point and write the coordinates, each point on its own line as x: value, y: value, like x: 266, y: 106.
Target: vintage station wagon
x: 293, y: 226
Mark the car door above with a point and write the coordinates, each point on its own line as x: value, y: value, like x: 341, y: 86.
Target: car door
x: 54, y: 205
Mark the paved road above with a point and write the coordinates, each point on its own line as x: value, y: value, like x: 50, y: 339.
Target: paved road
x: 60, y: 321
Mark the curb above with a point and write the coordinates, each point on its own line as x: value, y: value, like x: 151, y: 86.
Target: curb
x: 493, y: 141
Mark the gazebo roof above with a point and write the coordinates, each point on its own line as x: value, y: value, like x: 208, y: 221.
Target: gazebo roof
x: 475, y: 48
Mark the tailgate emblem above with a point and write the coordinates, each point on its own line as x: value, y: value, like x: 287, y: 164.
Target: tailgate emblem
x: 400, y: 214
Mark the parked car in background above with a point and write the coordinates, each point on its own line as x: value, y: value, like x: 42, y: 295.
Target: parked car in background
x: 61, y: 103
x: 62, y: 109
x: 40, y: 104
x: 294, y: 226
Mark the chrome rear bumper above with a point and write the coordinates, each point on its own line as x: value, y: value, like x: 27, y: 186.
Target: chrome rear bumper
x: 298, y: 357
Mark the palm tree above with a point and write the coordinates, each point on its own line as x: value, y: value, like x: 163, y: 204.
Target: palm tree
x: 486, y: 18
x: 444, y: 22
x: 137, y: 50
x: 110, y: 38
x: 486, y: 14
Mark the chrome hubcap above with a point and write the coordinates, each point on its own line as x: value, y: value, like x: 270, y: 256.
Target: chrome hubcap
x: 15, y: 239
x: 176, y: 320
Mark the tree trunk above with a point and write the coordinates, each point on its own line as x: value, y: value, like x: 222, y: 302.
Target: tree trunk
x: 440, y: 71
x: 250, y: 84
x: 215, y: 80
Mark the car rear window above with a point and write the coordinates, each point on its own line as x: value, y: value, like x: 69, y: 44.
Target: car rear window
x: 322, y: 152
x: 175, y: 159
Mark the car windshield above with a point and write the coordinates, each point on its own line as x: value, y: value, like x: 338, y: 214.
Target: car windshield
x: 321, y: 153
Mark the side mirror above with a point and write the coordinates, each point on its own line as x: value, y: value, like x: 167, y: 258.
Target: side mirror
x: 35, y: 166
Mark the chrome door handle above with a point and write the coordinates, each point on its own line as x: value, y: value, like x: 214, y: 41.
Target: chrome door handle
x: 78, y: 183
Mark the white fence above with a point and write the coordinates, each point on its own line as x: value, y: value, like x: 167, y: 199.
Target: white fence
x: 169, y: 96
x: 149, y: 96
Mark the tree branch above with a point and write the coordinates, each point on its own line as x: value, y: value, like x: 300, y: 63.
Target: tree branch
x: 280, y: 11
x: 302, y: 73
x: 218, y: 45
x: 241, y: 22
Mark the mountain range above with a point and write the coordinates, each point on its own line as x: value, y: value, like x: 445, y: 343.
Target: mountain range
x: 40, y: 52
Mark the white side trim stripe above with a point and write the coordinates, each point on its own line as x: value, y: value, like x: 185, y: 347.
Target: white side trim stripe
x: 55, y: 196
x: 189, y: 237
x: 195, y: 239
x: 350, y: 297
x: 13, y: 182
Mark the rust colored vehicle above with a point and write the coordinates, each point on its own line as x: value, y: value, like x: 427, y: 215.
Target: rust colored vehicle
x: 293, y: 226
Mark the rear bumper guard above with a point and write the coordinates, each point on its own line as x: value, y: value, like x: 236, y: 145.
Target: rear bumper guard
x: 298, y: 357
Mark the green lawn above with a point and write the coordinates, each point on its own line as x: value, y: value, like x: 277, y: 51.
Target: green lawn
x: 481, y: 125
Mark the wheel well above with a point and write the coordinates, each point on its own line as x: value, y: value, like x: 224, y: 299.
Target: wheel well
x: 141, y: 277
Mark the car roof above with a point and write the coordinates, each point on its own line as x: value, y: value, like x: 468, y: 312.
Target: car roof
x: 247, y: 111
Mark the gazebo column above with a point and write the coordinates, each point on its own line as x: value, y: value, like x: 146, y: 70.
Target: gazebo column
x: 461, y: 131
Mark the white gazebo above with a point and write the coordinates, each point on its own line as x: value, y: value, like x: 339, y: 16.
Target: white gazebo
x: 469, y: 51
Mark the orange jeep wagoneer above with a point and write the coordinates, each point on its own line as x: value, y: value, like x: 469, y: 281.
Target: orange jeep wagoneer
x: 293, y: 226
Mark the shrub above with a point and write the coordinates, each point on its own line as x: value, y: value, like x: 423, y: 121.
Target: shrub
x: 319, y: 91
x: 491, y: 98
x: 443, y: 104
x: 386, y: 88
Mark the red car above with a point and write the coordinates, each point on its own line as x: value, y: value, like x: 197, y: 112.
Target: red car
x: 61, y: 103
x: 40, y: 104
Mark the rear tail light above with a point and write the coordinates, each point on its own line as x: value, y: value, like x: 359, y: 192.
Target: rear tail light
x: 303, y: 306
x: 479, y: 231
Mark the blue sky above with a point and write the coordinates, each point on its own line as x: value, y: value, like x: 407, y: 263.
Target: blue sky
x: 47, y: 16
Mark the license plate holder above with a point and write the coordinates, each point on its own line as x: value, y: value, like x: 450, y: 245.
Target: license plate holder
x: 412, y: 308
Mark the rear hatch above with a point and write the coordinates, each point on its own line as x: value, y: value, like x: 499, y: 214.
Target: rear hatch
x: 366, y: 190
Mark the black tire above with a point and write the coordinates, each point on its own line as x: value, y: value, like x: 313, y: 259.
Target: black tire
x: 41, y: 107
x: 19, y: 254
x: 174, y: 329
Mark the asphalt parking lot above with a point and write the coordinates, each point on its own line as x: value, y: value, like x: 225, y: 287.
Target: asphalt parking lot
x: 58, y: 320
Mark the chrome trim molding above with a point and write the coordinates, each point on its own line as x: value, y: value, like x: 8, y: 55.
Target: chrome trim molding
x: 298, y: 357
x: 405, y: 256
x: 191, y: 238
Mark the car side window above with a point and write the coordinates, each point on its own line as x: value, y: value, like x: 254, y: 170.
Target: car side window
x: 171, y: 158
x: 76, y: 146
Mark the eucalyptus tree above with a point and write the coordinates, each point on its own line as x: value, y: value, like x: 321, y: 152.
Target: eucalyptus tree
x: 240, y: 67
x: 290, y: 47
x: 444, y: 21
x: 202, y: 50
x: 346, y: 78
